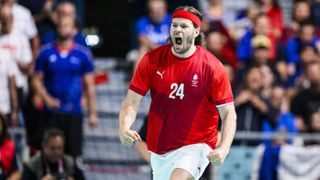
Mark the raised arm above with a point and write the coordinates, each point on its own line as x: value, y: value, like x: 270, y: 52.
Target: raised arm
x: 127, y: 116
x: 228, y: 128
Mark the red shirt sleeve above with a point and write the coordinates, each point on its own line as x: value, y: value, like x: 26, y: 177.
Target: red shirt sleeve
x: 140, y: 82
x: 221, y: 88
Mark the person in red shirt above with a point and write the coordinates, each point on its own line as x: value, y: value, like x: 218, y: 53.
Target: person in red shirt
x: 189, y: 89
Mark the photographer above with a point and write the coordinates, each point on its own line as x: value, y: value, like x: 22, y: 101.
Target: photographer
x: 52, y: 163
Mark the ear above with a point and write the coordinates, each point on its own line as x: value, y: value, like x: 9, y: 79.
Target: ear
x: 196, y: 32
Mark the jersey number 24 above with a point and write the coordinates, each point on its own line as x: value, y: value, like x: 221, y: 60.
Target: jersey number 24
x: 177, y: 91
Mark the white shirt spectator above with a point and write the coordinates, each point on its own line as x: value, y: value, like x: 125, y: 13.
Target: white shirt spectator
x: 20, y: 53
x: 7, y: 69
x: 23, y: 21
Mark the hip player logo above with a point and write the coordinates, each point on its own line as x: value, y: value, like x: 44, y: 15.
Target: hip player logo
x: 160, y: 74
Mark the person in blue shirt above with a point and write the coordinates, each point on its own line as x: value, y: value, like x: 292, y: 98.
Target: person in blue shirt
x: 65, y: 9
x: 153, y: 30
x: 305, y: 37
x: 62, y: 68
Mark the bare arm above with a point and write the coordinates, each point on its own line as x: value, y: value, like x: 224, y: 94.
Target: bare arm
x: 15, y: 102
x: 35, y: 44
x: 91, y: 94
x: 127, y: 116
x: 228, y: 129
x: 40, y: 90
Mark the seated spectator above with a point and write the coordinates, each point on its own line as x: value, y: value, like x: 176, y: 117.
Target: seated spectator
x: 281, y: 120
x: 216, y: 43
x: 153, y: 29
x: 262, y: 26
x: 251, y: 109
x: 305, y: 37
x: 8, y: 159
x: 244, y: 21
x: 308, y: 98
x: 51, y: 162
x: 64, y: 9
x: 313, y: 126
x: 274, y: 12
x: 261, y: 45
x: 300, y: 13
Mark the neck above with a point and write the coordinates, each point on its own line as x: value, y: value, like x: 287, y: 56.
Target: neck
x: 186, y: 54
x: 65, y: 45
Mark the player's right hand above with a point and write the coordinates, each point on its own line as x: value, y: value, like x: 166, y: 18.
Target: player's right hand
x: 128, y: 137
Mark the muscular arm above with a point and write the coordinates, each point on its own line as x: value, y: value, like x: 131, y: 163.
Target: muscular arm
x: 127, y: 116
x: 228, y: 129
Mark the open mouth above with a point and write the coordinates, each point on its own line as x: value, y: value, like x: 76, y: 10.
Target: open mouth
x: 178, y: 40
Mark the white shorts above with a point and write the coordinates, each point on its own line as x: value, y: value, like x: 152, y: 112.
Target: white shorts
x: 192, y: 158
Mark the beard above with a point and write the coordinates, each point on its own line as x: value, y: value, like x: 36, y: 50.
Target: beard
x: 184, y: 46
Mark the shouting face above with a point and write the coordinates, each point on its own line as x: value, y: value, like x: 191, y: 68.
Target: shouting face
x: 182, y: 34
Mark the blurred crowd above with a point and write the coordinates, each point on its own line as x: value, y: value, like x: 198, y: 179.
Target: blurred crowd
x: 272, y: 62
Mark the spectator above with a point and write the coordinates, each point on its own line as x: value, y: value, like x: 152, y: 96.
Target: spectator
x: 20, y: 52
x: 64, y: 9
x: 153, y: 29
x: 308, y: 99
x: 244, y: 21
x: 281, y: 120
x: 301, y: 12
x: 24, y: 23
x: 43, y: 14
x: 305, y: 37
x: 9, y: 162
x: 51, y: 162
x: 313, y: 126
x: 217, y: 44
x: 268, y: 81
x: 9, y: 105
x: 215, y: 11
x: 272, y: 9
x: 261, y: 45
x: 251, y: 108
x: 262, y: 26
x: 60, y: 69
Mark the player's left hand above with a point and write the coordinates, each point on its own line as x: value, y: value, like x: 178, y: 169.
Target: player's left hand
x: 217, y: 156
x: 93, y: 120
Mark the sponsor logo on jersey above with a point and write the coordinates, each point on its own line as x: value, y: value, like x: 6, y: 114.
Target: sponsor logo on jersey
x: 160, y: 74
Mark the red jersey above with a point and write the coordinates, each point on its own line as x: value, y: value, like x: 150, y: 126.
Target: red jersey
x: 184, y: 95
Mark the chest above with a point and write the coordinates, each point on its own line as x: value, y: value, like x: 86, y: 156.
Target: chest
x: 59, y: 63
x: 181, y: 80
